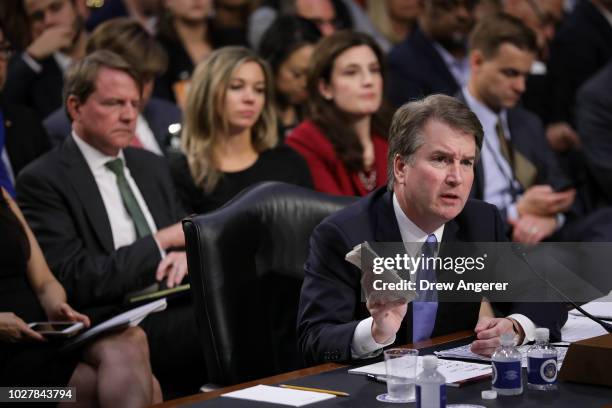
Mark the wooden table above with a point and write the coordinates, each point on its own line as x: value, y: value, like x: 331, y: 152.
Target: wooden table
x: 302, y: 373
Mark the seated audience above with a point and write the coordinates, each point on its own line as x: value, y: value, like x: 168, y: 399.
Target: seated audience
x: 582, y: 46
x: 594, y: 123
x: 22, y: 137
x: 344, y: 139
x: 288, y: 46
x: 328, y: 15
x: 35, y: 76
x: 127, y: 38
x: 188, y: 34
x: 230, y: 133
x: 106, y: 215
x: 433, y: 59
x: 518, y: 172
x: 433, y: 145
x: 395, y: 19
x: 113, y: 371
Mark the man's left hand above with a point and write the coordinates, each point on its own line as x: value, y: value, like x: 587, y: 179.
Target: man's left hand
x: 173, y: 267
x: 488, y: 331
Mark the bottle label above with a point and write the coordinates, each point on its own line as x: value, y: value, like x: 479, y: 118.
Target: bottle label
x: 507, y: 374
x: 541, y: 370
x: 424, y: 404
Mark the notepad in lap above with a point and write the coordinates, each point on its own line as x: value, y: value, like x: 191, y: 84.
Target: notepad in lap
x: 453, y: 371
x: 277, y: 395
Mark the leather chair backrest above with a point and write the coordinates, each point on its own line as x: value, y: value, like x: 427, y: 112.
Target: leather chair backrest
x: 246, y: 265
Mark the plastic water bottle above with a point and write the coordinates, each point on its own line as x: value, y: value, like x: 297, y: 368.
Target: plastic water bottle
x: 430, y: 385
x: 542, y: 363
x: 506, y: 361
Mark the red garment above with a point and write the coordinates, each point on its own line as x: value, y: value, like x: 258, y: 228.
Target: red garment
x: 329, y: 174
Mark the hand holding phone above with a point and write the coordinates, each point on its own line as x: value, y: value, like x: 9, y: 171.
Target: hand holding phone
x: 57, y: 329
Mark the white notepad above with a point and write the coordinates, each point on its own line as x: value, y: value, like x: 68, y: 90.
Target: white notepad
x: 453, y: 371
x: 277, y: 395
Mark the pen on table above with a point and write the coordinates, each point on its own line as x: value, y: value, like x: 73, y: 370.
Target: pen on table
x: 295, y: 387
x: 377, y: 378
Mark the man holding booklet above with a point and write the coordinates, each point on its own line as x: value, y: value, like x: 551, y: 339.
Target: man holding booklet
x: 434, y: 144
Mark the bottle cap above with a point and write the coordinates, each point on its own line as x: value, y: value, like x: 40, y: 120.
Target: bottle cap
x: 489, y: 394
x: 542, y: 334
x: 430, y: 362
x: 507, y: 339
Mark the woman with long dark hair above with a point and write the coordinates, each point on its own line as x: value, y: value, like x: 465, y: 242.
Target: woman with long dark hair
x: 344, y: 139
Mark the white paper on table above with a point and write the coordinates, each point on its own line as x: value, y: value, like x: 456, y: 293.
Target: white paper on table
x: 579, y: 328
x: 278, y: 395
x: 600, y: 309
x: 464, y: 352
x: 453, y: 371
x: 368, y: 277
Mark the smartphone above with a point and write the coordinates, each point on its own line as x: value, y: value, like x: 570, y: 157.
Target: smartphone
x: 56, y: 329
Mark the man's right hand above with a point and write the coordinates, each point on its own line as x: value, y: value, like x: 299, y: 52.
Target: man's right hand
x: 387, y: 317
x: 562, y: 137
x: 13, y: 329
x: 171, y: 237
x: 51, y: 40
x: 542, y: 200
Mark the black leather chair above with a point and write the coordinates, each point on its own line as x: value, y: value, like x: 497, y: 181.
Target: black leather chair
x: 246, y: 269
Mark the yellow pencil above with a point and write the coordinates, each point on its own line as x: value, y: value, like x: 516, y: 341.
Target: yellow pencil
x: 295, y: 387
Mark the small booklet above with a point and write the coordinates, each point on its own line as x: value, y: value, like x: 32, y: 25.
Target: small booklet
x: 129, y: 318
x: 455, y: 372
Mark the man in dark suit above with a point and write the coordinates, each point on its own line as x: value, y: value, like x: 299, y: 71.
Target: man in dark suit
x: 594, y: 121
x: 159, y: 122
x: 518, y: 171
x: 433, y: 145
x: 22, y: 138
x: 35, y: 76
x: 106, y: 215
x: 432, y: 59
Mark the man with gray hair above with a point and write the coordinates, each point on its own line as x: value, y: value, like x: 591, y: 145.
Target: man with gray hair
x: 106, y: 214
x: 433, y: 145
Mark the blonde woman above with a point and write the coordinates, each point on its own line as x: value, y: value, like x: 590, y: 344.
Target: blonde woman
x: 230, y: 132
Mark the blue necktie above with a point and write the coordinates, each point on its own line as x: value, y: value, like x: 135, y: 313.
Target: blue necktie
x: 425, y: 306
x: 5, y: 180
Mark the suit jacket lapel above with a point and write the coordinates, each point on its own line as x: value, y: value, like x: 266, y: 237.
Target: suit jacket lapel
x: 146, y: 185
x: 86, y: 189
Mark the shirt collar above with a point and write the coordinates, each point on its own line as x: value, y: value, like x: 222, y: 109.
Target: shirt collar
x: 487, y: 117
x: 95, y: 159
x: 408, y: 229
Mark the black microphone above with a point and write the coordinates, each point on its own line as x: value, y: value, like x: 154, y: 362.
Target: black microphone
x: 518, y: 251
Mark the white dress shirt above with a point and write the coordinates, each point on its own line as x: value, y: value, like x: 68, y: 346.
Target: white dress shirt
x: 363, y: 344
x: 458, y: 67
x: 122, y: 226
x: 146, y: 137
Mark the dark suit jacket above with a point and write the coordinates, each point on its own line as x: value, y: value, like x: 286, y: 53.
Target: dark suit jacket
x: 528, y: 137
x: 41, y: 92
x: 160, y: 114
x: 26, y: 139
x: 582, y: 46
x: 416, y: 70
x: 64, y: 208
x: 594, y: 121
x: 329, y: 307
